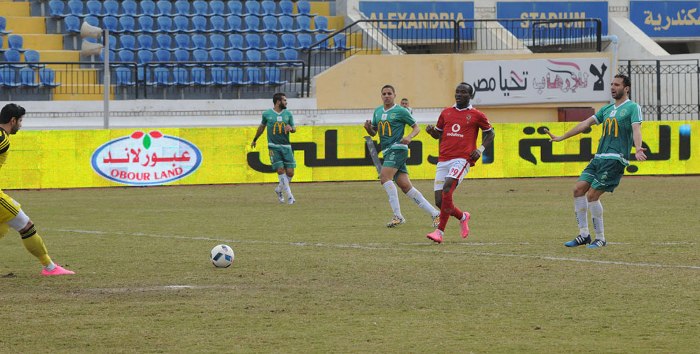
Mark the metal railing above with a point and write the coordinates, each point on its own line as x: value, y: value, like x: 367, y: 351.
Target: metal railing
x: 452, y: 36
x: 665, y: 89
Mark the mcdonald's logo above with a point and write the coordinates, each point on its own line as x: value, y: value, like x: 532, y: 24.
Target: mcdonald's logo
x: 279, y: 125
x: 608, y: 126
x: 383, y: 127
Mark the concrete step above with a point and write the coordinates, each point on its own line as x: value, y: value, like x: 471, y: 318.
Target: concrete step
x: 8, y: 8
x: 25, y: 24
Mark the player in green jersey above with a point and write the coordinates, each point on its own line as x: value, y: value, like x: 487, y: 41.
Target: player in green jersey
x: 11, y: 214
x: 622, y: 129
x: 279, y: 123
x: 389, y: 121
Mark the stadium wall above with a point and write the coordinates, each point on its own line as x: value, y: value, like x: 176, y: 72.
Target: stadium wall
x: 189, y: 156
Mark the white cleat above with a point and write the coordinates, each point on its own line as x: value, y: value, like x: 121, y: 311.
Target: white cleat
x: 280, y: 197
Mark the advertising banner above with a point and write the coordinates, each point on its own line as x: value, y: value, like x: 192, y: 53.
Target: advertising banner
x: 509, y: 82
x: 666, y: 18
x: 553, y: 10
x: 187, y: 156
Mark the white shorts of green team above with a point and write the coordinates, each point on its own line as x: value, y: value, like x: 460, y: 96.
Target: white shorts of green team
x: 455, y: 168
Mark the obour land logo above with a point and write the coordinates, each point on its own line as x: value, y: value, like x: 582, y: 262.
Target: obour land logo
x: 146, y: 159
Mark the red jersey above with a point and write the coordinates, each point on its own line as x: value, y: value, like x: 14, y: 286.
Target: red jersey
x: 459, y: 128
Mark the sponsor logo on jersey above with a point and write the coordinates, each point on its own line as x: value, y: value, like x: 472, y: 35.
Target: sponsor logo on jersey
x: 384, y: 128
x: 455, y: 131
x: 146, y: 159
x: 278, y: 125
x: 609, y: 125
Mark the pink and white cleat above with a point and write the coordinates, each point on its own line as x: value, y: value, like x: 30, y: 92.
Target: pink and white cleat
x: 464, y: 225
x: 436, y: 236
x: 57, y: 271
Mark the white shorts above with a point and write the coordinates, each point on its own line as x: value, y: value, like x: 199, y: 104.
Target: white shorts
x: 455, y: 168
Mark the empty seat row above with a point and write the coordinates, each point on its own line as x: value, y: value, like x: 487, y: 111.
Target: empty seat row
x: 13, y: 58
x: 27, y: 77
x: 216, y: 76
x: 182, y: 24
x: 219, y: 41
x: 59, y: 8
x: 147, y: 57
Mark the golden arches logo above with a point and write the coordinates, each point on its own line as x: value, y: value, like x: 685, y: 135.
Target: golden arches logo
x: 279, y: 125
x: 609, y: 125
x: 383, y: 127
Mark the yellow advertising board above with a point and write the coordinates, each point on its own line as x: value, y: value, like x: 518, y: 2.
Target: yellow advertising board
x: 185, y: 156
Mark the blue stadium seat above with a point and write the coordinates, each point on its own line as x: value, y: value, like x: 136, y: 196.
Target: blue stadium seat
x: 112, y: 8
x: 163, y: 55
x: 181, y: 76
x: 16, y: 42
x: 76, y: 8
x: 27, y: 77
x: 148, y: 8
x: 236, y: 41
x: 183, y: 41
x: 218, y: 41
x: 289, y: 41
x: 129, y: 7
x: 112, y: 56
x: 200, y: 55
x: 123, y: 76
x: 253, y: 41
x: 218, y: 76
x: 182, y: 55
x: 162, y: 77
x: 199, y: 41
x: 235, y: 76
x: 273, y: 76
x: 92, y: 20
x: 254, y: 76
x: 218, y: 23
x: 199, y: 77
x: 235, y: 55
x: 305, y: 40
x: 128, y: 24
x: 287, y: 24
x: 291, y: 54
x: 165, y: 24
x: 201, y: 8
x: 3, y: 27
x: 199, y: 24
x: 305, y: 24
x: 272, y: 54
x: 126, y: 56
x: 165, y: 7
x: 268, y: 7
x: 144, y: 57
x: 164, y: 41
x: 235, y: 23
x: 287, y: 7
x: 253, y: 55
x: 321, y: 24
x: 217, y: 55
x: 270, y: 41
x: 128, y: 42
x: 324, y: 44
x: 252, y: 7
x: 47, y: 77
x: 339, y: 42
x: 270, y: 23
x: 218, y: 8
x: 182, y: 24
x: 145, y: 41
x: 304, y: 8
x: 146, y: 24
x: 252, y: 23
x: 112, y: 41
x: 182, y: 8
x: 72, y: 24
x: 94, y: 8
x: 32, y: 58
x: 9, y: 77
x: 111, y: 24
x: 236, y: 7
x: 57, y: 8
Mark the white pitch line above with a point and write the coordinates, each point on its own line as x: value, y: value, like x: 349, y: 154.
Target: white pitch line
x: 381, y: 247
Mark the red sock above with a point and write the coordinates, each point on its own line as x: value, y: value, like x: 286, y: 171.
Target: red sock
x: 445, y: 209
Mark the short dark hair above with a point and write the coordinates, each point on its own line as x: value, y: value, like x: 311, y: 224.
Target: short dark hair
x: 277, y: 97
x: 470, y: 88
x: 11, y: 110
x: 625, y: 80
x: 388, y: 86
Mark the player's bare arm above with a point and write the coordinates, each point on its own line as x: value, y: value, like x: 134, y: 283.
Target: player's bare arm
x: 407, y: 139
x: 290, y: 129
x: 430, y: 129
x: 369, y: 128
x: 637, y: 138
x: 487, y: 138
x: 578, y: 129
x: 261, y: 129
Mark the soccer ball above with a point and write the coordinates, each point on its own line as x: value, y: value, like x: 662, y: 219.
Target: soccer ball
x: 222, y: 256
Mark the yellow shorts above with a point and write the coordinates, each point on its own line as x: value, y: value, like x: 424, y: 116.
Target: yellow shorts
x: 9, y: 208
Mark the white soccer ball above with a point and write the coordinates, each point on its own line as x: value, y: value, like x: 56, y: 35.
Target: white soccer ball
x: 222, y: 256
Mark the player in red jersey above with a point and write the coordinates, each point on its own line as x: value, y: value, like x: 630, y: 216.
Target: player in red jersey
x: 457, y: 128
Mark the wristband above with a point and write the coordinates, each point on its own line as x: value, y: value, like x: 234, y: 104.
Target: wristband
x: 481, y: 149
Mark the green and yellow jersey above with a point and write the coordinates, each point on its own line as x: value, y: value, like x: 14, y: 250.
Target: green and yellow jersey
x: 616, y: 138
x: 275, y: 123
x: 390, y: 125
